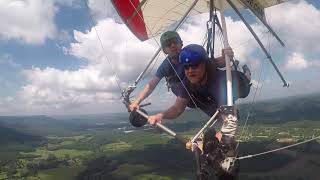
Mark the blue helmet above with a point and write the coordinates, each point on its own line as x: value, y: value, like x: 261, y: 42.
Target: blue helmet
x: 193, y: 54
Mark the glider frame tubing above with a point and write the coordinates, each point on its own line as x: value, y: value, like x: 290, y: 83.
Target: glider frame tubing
x: 195, y: 145
x: 227, y: 58
x: 161, y: 126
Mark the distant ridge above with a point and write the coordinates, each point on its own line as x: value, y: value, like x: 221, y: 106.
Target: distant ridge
x: 294, y: 108
x: 9, y: 135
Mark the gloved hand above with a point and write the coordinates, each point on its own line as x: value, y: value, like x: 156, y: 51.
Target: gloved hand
x: 155, y: 119
x: 133, y: 106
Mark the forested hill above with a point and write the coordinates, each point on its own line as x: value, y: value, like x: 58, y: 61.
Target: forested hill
x: 26, y: 128
x: 283, y: 110
x: 37, y: 125
x: 9, y: 135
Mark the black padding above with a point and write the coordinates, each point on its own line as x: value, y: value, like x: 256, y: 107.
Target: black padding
x: 136, y: 119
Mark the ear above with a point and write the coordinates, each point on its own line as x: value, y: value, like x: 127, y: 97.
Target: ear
x: 181, y: 43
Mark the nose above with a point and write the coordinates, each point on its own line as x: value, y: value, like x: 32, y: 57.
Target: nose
x: 188, y: 69
x: 172, y: 44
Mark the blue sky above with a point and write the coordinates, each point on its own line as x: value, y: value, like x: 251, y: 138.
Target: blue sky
x: 51, y: 60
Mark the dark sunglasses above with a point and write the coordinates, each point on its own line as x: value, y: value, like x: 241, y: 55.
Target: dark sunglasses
x: 170, y: 41
x: 192, y: 66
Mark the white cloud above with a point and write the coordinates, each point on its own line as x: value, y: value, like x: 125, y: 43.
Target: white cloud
x: 103, y: 9
x: 127, y: 55
x: 10, y: 75
x: 7, y: 105
x: 96, y: 82
x: 298, y: 25
x: 315, y: 63
x: 51, y: 89
x: 256, y: 84
x: 30, y: 21
x: 70, y: 3
x: 296, y: 62
x: 64, y: 37
x: 6, y: 60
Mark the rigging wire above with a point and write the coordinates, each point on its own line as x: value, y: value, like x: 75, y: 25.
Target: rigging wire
x: 254, y: 97
x: 251, y: 105
x: 278, y: 149
x: 103, y: 49
x: 267, y: 68
x: 152, y: 67
x: 248, y: 41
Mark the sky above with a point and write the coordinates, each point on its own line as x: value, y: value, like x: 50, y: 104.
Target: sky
x: 52, y: 61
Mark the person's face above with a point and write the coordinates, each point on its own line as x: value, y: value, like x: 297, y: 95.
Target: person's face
x: 172, y: 47
x: 195, y: 73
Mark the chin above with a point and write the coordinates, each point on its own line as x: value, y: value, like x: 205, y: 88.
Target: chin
x: 193, y: 80
x: 174, y: 56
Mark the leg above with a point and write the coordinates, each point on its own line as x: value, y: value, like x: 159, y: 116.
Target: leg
x: 228, y: 143
x: 214, y: 156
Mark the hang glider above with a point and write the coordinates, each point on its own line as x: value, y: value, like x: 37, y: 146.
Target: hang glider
x: 149, y: 18
x: 207, y: 153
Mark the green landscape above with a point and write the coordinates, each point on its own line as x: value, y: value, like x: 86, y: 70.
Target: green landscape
x: 92, y: 147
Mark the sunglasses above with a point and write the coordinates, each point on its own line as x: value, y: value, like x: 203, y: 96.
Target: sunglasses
x: 192, y: 66
x: 170, y: 41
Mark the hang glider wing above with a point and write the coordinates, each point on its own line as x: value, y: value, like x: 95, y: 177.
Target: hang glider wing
x: 149, y: 18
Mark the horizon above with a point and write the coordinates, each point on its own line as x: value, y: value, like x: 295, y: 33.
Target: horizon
x: 153, y: 111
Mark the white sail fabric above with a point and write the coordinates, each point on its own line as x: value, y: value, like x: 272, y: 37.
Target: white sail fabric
x: 157, y: 15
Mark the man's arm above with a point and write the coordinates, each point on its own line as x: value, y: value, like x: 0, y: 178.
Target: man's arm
x: 173, y: 112
x: 148, y: 89
x: 220, y: 61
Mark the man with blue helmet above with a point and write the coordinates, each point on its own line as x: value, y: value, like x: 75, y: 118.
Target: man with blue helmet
x: 203, y: 79
x: 205, y: 83
x: 170, y: 68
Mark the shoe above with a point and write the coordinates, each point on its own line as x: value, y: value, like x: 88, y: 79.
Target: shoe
x: 228, y: 147
x: 247, y: 72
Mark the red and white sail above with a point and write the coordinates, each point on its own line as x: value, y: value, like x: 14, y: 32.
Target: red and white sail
x: 149, y: 18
